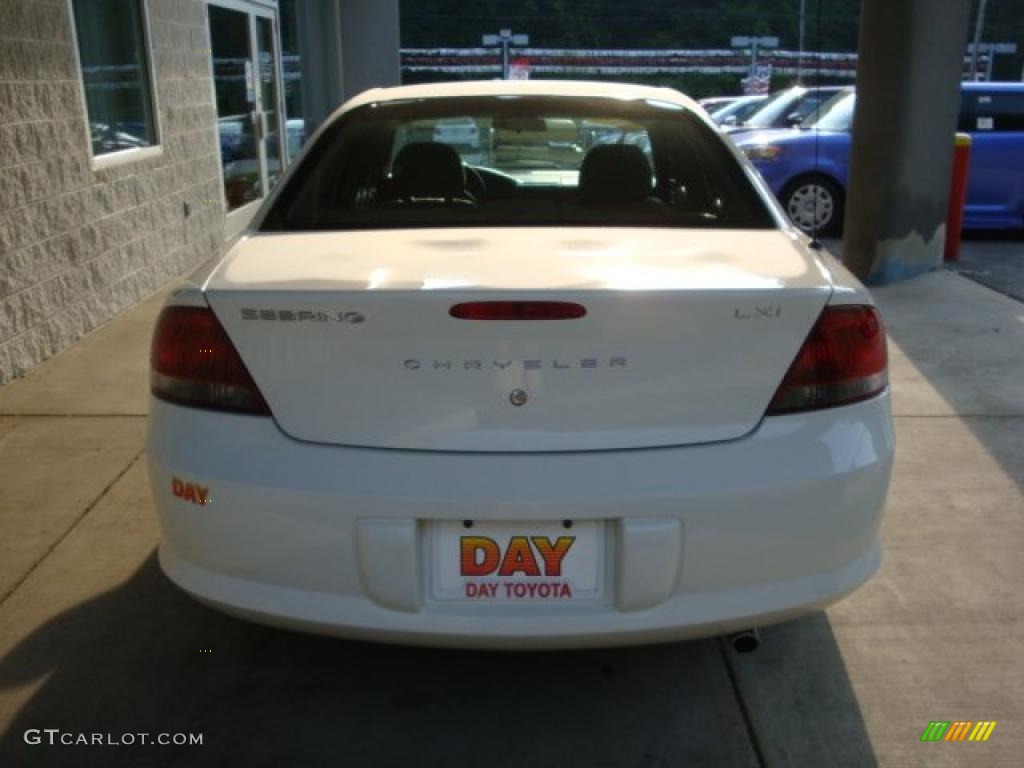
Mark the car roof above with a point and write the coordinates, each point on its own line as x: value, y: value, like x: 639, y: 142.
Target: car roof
x: 751, y: 97
x: 584, y: 88
x: 807, y: 88
x: 800, y: 90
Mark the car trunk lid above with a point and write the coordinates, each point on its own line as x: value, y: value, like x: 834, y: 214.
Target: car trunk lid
x: 685, y: 337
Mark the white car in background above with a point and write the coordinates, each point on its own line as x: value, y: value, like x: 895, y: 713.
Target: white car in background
x: 435, y: 402
x: 737, y: 110
x: 459, y: 132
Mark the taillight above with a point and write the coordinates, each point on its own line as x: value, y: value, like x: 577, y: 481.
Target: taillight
x: 193, y: 362
x: 518, y: 310
x: 842, y: 361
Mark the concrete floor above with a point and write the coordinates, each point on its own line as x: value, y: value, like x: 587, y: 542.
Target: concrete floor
x: 94, y: 639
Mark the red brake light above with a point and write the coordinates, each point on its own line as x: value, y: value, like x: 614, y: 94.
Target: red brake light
x: 518, y: 310
x: 843, y: 360
x: 193, y: 362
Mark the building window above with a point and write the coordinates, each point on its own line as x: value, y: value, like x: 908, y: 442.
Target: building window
x: 113, y: 54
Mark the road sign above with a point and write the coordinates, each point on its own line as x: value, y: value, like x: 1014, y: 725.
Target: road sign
x: 758, y: 82
x: 753, y: 43
x: 519, y: 69
x: 505, y: 39
x: 993, y: 48
x: 760, y: 42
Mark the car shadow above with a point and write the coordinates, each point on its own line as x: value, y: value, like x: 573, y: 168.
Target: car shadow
x: 967, y: 352
x: 969, y: 355
x: 144, y: 657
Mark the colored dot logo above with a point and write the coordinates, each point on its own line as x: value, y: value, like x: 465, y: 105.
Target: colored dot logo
x: 958, y: 730
x: 206, y: 650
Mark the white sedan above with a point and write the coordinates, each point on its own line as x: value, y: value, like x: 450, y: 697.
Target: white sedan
x: 423, y: 401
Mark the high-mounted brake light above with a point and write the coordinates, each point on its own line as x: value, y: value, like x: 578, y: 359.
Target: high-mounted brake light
x: 518, y: 310
x: 842, y: 361
x: 193, y: 362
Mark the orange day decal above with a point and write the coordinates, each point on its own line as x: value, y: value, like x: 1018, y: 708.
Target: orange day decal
x: 193, y: 492
x: 531, y: 556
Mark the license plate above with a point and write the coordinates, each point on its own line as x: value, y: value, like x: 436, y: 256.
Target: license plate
x: 492, y: 562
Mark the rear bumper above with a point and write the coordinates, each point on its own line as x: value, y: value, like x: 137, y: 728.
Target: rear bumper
x: 334, y: 539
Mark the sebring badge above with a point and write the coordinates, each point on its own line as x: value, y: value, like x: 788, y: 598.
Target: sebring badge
x: 303, y: 316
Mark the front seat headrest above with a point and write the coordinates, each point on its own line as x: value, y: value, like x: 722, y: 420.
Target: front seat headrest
x: 615, y: 173
x: 429, y: 169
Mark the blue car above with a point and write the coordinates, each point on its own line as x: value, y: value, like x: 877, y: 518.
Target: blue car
x: 808, y: 167
x: 784, y: 109
x: 993, y: 113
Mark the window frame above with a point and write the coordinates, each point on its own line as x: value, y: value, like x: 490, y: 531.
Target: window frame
x: 121, y: 156
x: 996, y: 109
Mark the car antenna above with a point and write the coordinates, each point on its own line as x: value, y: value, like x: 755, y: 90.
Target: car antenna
x: 815, y: 242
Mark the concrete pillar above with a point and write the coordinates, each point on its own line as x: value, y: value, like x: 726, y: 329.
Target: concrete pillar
x: 319, y: 30
x: 910, y: 62
x: 369, y: 44
x: 347, y: 46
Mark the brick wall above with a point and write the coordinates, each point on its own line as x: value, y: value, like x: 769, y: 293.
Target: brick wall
x: 78, y: 245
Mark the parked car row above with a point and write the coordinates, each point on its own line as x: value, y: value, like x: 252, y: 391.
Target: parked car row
x: 737, y: 111
x: 807, y: 166
x: 800, y: 142
x: 785, y: 109
x: 759, y: 111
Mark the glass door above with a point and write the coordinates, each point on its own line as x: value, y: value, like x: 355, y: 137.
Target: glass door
x: 246, y: 80
x: 270, y: 93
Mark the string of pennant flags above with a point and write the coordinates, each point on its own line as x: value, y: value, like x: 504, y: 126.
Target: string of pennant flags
x: 584, y: 61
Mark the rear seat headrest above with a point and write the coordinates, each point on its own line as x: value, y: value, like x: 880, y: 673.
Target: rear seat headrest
x: 615, y: 173
x: 429, y: 169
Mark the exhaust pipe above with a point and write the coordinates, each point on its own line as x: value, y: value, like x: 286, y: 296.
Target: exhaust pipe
x: 745, y: 641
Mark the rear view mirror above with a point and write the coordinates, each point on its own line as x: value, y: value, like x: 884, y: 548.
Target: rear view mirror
x: 520, y: 124
x: 794, y: 119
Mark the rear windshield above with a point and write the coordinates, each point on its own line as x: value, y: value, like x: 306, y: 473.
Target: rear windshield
x: 517, y: 161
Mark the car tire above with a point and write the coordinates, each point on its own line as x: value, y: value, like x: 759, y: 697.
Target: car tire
x: 814, y: 199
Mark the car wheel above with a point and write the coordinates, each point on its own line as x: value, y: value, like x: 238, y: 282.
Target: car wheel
x: 814, y: 204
